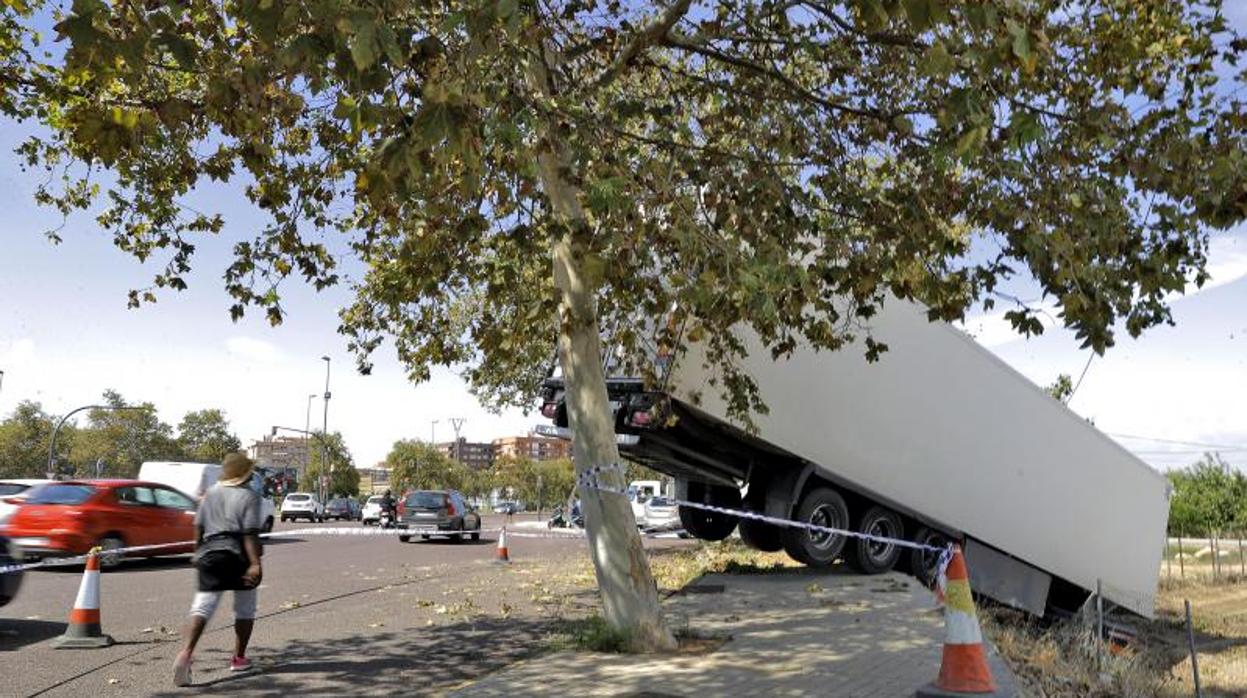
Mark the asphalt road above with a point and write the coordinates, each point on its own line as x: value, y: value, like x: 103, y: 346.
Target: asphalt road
x: 337, y: 615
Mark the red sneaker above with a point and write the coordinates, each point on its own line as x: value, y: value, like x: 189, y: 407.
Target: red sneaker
x: 240, y: 664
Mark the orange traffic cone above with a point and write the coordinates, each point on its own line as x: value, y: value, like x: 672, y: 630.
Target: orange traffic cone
x: 83, y: 631
x: 503, y: 555
x: 964, y: 668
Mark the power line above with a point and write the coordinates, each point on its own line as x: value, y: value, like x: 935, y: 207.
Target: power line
x: 1201, y: 444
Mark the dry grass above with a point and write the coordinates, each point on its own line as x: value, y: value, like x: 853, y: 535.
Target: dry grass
x: 1060, y: 659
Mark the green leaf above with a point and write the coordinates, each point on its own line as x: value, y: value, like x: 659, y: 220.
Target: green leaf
x: 939, y: 60
x: 919, y: 14
x: 364, y: 44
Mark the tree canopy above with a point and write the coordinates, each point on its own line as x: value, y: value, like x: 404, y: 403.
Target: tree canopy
x: 343, y: 476
x: 750, y: 162
x: 1209, y: 497
x: 205, y: 436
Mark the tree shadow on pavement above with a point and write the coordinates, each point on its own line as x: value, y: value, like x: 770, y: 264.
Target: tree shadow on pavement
x: 16, y: 634
x: 420, y: 661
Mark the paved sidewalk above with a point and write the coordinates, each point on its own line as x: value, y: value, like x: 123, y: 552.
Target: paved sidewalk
x: 793, y: 634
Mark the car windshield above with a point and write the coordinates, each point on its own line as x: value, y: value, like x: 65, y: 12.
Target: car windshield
x: 425, y: 500
x: 660, y: 502
x: 299, y: 497
x: 8, y: 489
x: 338, y: 504
x: 62, y: 494
x: 375, y: 500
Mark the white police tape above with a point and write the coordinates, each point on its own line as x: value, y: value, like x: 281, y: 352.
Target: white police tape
x: 187, y: 546
x: 589, y: 479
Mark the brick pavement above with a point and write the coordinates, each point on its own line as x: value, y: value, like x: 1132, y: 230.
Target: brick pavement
x: 793, y: 634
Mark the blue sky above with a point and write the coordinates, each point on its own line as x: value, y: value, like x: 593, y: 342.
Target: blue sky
x: 66, y: 336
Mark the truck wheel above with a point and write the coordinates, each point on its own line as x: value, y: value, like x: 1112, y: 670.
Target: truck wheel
x: 871, y: 556
x: 922, y: 563
x: 710, y: 525
x: 761, y: 536
x: 822, y: 507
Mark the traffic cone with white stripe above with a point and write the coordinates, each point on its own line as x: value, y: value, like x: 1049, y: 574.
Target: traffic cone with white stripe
x: 964, y: 669
x: 83, y: 631
x: 503, y: 556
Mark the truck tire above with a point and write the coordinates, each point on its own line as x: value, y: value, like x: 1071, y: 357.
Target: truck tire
x: 761, y: 536
x: 822, y: 506
x: 875, y: 557
x: 710, y: 525
x: 922, y: 563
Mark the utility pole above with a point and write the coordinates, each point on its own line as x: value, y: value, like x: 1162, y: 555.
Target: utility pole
x: 324, y: 452
x: 433, y: 432
x: 456, y: 423
x: 307, y: 428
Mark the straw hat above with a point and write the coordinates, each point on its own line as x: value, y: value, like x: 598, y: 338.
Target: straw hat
x: 236, y: 469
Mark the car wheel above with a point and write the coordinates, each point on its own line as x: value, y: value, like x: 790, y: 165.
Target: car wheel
x: 923, y: 564
x: 760, y: 535
x: 108, y: 558
x: 268, y: 525
x: 872, y: 556
x: 822, y: 506
x: 424, y: 537
x: 710, y: 525
x: 404, y: 539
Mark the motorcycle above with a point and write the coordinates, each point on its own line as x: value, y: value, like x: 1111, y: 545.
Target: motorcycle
x: 560, y: 519
x: 386, y: 520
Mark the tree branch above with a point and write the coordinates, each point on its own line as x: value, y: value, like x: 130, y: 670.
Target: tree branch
x: 645, y: 38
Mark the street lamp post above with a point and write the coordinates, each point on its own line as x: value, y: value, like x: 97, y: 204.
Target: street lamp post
x: 433, y: 432
x: 57, y: 430
x: 324, y: 451
x: 307, y: 427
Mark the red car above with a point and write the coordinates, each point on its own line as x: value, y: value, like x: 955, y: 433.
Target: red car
x: 69, y: 518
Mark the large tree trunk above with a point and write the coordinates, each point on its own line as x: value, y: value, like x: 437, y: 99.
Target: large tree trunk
x: 629, y: 595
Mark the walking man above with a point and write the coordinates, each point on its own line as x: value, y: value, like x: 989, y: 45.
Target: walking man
x: 227, y: 555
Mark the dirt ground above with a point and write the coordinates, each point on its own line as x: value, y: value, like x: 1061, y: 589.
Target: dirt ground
x: 1061, y: 659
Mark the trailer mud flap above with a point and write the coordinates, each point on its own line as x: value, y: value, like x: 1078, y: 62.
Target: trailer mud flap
x: 1007, y: 579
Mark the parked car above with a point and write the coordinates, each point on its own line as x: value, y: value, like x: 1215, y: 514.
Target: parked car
x: 339, y: 509
x: 302, y: 505
x: 660, y: 513
x: 442, y: 513
x: 371, y: 514
x: 356, y: 508
x: 11, y: 582
x: 13, y: 493
x: 508, y: 508
x: 69, y: 518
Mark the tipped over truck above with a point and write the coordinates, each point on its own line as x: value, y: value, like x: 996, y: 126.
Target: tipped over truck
x: 937, y: 441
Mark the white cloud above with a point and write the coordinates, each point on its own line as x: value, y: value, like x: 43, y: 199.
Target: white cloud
x: 253, y: 349
x: 16, y: 352
x: 1227, y: 262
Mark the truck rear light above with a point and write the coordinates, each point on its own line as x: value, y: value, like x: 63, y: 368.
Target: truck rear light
x: 549, y: 410
x: 641, y: 418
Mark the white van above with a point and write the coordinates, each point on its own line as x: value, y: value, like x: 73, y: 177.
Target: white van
x: 640, y: 492
x: 195, y: 478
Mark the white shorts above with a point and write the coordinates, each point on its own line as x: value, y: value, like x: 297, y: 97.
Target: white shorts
x: 205, y: 604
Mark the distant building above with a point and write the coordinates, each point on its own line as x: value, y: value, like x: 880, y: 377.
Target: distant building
x: 475, y: 455
x: 375, y: 480
x: 281, y: 453
x: 533, y: 447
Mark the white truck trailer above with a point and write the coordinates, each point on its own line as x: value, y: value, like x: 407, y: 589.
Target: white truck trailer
x: 938, y: 440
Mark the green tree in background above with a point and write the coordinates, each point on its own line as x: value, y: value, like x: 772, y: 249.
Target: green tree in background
x: 415, y: 465
x: 120, y: 440
x: 205, y: 436
x: 24, y: 437
x: 515, y: 176
x: 1208, y: 497
x: 336, y: 459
